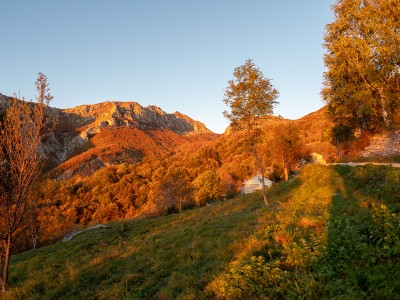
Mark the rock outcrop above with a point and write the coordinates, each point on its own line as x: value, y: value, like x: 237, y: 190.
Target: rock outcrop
x: 74, y: 127
x: 92, y: 118
x: 4, y: 100
x: 386, y: 144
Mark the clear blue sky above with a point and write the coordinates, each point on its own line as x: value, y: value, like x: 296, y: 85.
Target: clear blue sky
x: 176, y: 54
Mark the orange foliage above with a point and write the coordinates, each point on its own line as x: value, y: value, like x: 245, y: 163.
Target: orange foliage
x: 147, y: 173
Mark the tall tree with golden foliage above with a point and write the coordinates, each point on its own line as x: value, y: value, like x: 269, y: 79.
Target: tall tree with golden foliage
x: 21, y: 131
x: 362, y: 83
x: 250, y: 96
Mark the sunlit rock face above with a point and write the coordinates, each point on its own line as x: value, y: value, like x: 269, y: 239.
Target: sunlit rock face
x: 93, y: 118
x: 383, y: 144
x: 74, y: 127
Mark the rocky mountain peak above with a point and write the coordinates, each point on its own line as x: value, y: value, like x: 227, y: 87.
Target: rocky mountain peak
x: 93, y: 118
x: 76, y: 126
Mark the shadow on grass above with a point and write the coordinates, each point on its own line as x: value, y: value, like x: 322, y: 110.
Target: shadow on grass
x: 362, y: 255
x: 330, y: 237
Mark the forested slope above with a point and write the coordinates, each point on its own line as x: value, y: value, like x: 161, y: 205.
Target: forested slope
x: 329, y: 232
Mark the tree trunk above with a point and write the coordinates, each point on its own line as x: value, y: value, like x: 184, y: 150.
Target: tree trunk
x: 7, y: 253
x: 285, y: 173
x: 386, y: 111
x: 34, y: 240
x: 285, y: 170
x: 262, y: 174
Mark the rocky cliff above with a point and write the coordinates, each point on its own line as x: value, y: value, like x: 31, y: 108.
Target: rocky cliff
x: 75, y: 127
x: 92, y: 118
x: 383, y: 144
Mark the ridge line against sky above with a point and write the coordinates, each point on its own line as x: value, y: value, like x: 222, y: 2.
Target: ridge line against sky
x: 178, y: 55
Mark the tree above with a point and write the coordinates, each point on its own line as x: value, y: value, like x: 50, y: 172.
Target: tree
x: 208, y: 187
x: 250, y: 96
x: 362, y: 83
x: 21, y: 131
x: 286, y: 147
x: 173, y: 192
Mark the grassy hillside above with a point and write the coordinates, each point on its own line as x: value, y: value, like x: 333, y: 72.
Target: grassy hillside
x: 168, y: 257
x: 331, y: 232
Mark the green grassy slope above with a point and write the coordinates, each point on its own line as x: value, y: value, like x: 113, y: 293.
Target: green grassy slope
x: 170, y: 257
x: 332, y: 232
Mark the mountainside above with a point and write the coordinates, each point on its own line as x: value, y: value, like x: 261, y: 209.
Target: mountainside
x: 124, y: 162
x: 77, y: 126
x: 88, y: 137
x: 124, y: 172
x: 332, y: 232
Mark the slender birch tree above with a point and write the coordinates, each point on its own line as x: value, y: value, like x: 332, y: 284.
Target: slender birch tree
x: 22, y: 129
x: 250, y: 96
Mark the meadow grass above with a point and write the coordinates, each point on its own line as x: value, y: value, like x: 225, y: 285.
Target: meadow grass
x: 333, y: 232
x: 330, y: 232
x: 170, y: 257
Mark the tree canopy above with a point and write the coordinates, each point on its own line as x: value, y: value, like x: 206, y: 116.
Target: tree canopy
x: 287, y: 148
x: 250, y: 96
x: 362, y: 83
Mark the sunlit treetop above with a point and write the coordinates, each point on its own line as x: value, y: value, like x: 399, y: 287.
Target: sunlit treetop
x: 362, y: 81
x: 249, y: 96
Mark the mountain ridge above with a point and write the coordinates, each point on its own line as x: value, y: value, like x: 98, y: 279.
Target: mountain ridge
x: 87, y: 138
x: 75, y: 127
x: 122, y: 113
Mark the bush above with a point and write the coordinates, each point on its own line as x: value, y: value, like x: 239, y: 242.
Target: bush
x: 341, y: 133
